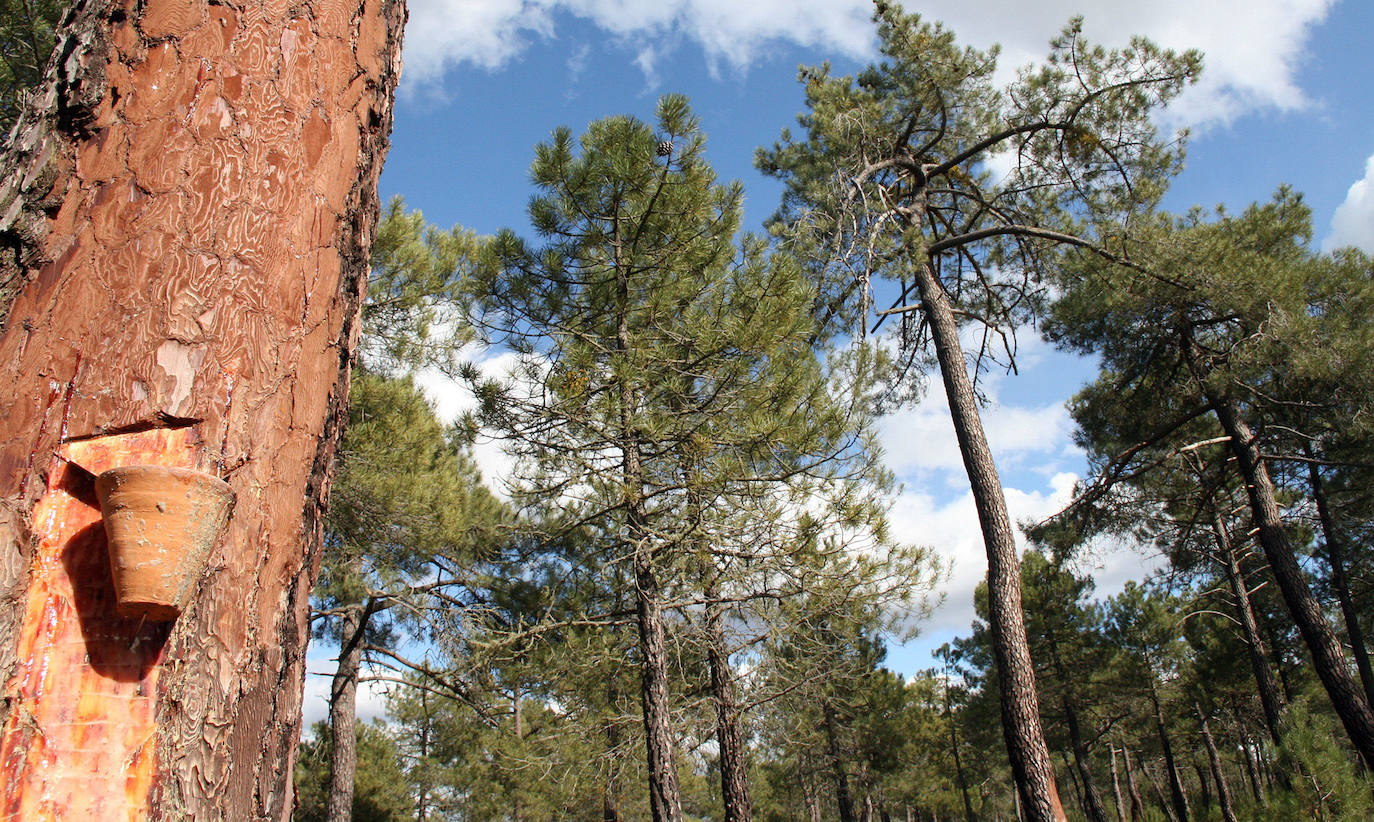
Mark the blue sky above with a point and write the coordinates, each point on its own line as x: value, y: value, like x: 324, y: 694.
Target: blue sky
x: 1284, y: 99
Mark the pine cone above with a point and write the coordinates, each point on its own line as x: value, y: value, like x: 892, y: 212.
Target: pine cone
x: 664, y: 148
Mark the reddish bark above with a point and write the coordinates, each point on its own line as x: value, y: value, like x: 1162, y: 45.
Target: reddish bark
x: 184, y: 232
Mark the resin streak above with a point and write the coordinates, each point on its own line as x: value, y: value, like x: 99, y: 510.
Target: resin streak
x: 79, y: 737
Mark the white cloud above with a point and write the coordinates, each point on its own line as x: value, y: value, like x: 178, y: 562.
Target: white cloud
x: 920, y: 440
x: 486, y: 33
x: 452, y: 398
x: 1254, y: 47
x: 1353, y: 222
x: 952, y: 531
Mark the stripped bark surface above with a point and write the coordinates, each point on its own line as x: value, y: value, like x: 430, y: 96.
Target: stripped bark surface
x: 184, y: 229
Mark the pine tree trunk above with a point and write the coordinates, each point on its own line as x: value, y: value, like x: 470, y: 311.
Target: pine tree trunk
x: 184, y: 232
x: 1092, y: 800
x: 1252, y: 771
x: 1164, y: 802
x: 1116, y: 790
x: 665, y: 802
x: 809, y: 797
x: 837, y: 770
x: 1270, y: 699
x: 1133, y: 787
x: 422, y: 786
x: 734, y: 782
x: 343, y: 714
x: 1328, y: 658
x: 1176, y: 794
x: 1026, y: 748
x: 960, y: 779
x: 610, y: 790
x: 1204, y: 790
x: 1335, y: 556
x: 1228, y: 812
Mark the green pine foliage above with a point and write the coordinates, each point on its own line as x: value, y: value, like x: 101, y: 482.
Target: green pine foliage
x: 27, y: 36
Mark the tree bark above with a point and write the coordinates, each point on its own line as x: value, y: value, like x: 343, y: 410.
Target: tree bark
x: 1176, y: 794
x: 1270, y: 699
x: 1252, y: 771
x: 1164, y: 801
x: 1335, y: 557
x: 1204, y: 790
x: 1228, y: 812
x: 1092, y: 799
x: 184, y: 234
x: 422, y: 747
x: 1328, y: 658
x: 1116, y: 790
x: 960, y: 779
x: 1026, y: 748
x: 809, y: 797
x: 734, y: 781
x: 837, y: 770
x: 343, y: 714
x: 1137, y: 804
x: 665, y: 802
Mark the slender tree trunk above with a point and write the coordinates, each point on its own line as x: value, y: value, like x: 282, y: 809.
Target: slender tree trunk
x: 1228, y: 812
x: 837, y: 771
x: 1116, y: 790
x: 1176, y: 794
x: 734, y: 782
x: 343, y: 713
x: 809, y: 797
x: 959, y: 777
x: 1252, y: 771
x: 1164, y: 802
x: 610, y: 792
x: 1274, y: 643
x: 421, y: 765
x: 1072, y: 777
x: 1026, y: 748
x: 1335, y: 556
x: 185, y: 222
x: 1328, y: 658
x: 1204, y: 790
x: 1137, y: 804
x: 665, y: 802
x: 1092, y: 800
x: 1270, y: 700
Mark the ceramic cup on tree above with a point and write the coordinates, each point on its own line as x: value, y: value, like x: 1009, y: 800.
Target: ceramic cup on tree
x: 161, y: 524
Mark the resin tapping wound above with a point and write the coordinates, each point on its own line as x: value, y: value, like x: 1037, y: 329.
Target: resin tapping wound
x: 79, y: 743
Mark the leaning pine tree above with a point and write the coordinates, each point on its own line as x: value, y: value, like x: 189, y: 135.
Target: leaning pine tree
x: 664, y: 369
x: 892, y: 181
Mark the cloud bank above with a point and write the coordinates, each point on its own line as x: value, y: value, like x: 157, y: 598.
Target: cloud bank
x: 1254, y: 48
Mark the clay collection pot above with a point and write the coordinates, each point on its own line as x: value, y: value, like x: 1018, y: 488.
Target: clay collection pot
x: 161, y: 525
